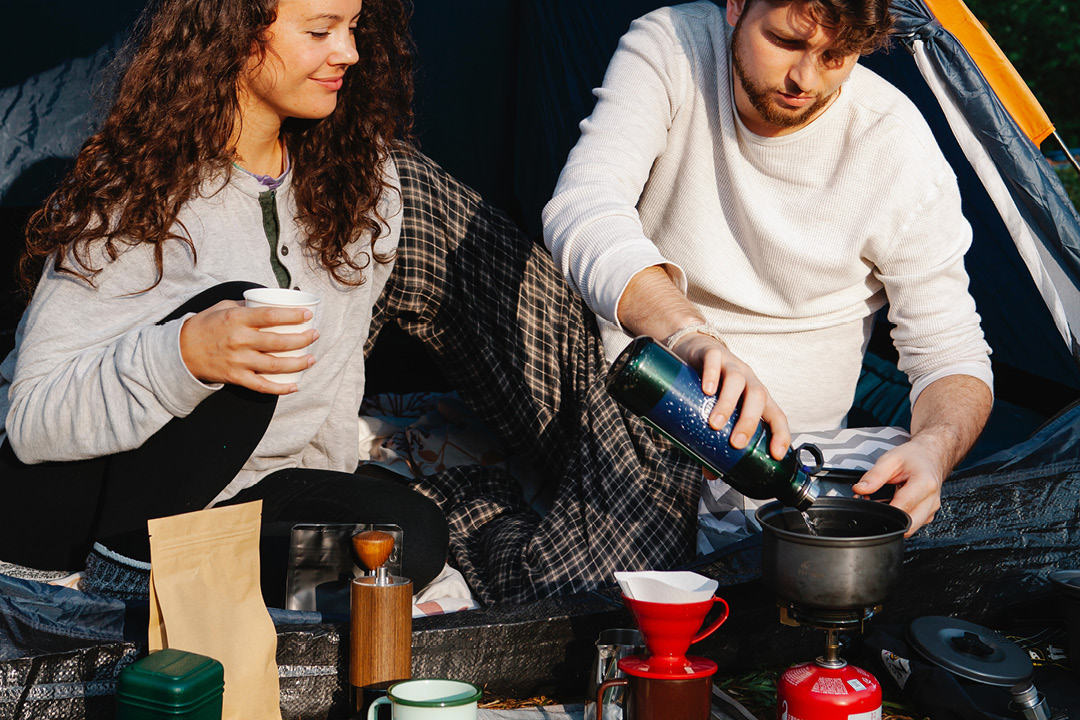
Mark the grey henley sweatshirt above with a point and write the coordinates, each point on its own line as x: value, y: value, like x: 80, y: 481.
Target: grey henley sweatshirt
x: 92, y: 374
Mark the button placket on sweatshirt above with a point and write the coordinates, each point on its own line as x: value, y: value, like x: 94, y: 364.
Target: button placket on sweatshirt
x: 272, y: 228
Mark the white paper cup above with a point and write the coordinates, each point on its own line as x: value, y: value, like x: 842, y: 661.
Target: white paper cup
x: 285, y: 298
x: 430, y: 699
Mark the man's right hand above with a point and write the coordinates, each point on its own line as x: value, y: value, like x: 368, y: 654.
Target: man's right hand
x: 651, y: 304
x: 721, y: 370
x: 225, y: 344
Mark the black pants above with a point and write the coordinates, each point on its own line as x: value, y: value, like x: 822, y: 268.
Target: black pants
x: 52, y: 513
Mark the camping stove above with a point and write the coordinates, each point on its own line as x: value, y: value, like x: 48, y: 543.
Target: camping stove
x: 831, y: 568
x: 827, y: 688
x: 825, y: 619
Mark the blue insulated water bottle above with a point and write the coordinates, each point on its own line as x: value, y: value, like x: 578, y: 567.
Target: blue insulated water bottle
x: 666, y: 393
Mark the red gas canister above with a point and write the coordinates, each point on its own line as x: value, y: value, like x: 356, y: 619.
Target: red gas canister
x: 809, y: 691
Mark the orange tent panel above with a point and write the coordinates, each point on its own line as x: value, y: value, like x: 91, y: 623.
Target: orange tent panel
x: 999, y: 72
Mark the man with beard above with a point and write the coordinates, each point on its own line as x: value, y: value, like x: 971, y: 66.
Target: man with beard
x: 748, y: 195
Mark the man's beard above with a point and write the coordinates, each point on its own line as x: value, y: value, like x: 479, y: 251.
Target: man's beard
x: 761, y: 97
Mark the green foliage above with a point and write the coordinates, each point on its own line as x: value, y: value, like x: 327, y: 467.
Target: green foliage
x: 755, y: 690
x: 1071, y: 180
x: 1040, y: 38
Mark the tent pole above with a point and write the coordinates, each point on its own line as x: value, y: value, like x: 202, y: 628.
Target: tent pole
x: 1068, y: 154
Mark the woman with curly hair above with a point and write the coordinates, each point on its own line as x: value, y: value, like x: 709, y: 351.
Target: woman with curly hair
x: 249, y: 145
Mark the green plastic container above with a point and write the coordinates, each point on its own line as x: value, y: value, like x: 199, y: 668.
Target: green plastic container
x: 170, y: 684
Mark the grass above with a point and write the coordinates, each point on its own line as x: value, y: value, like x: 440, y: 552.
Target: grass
x: 498, y: 702
x: 755, y: 690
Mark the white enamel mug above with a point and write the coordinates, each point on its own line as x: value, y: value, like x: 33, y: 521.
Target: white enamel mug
x: 430, y: 699
x: 284, y: 297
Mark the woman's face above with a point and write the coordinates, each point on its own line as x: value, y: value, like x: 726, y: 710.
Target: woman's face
x: 311, y: 44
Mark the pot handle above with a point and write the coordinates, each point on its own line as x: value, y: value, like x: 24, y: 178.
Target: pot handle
x: 715, y: 624
x: 618, y: 682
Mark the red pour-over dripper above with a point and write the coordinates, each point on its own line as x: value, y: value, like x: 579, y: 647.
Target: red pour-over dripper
x: 669, y: 630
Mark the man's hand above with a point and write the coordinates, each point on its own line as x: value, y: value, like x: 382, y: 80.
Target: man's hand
x: 917, y: 477
x: 721, y: 370
x: 945, y: 422
x: 224, y: 344
x: 652, y: 305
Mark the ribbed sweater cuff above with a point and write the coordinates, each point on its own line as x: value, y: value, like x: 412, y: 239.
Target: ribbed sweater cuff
x: 612, y: 271
x: 974, y: 369
x: 179, y: 391
x: 111, y: 574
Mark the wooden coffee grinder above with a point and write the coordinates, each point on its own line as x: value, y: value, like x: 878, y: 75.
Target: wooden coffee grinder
x: 380, y: 650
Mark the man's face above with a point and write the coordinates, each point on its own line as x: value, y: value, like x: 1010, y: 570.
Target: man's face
x: 784, y: 79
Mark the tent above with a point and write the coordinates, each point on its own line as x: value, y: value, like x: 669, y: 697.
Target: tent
x: 502, y: 86
x: 1024, y: 260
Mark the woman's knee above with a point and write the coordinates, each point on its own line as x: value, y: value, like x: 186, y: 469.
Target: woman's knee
x: 231, y: 290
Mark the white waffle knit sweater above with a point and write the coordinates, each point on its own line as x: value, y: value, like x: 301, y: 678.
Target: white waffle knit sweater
x: 788, y: 244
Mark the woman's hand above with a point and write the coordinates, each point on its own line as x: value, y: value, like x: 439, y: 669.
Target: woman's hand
x: 721, y: 370
x: 225, y: 344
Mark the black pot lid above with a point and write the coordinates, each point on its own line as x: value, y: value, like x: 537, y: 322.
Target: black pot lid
x: 970, y: 651
x: 1067, y: 582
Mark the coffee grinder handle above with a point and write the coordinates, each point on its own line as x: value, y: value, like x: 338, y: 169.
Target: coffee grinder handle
x: 618, y: 682
x: 715, y: 624
x: 373, y: 548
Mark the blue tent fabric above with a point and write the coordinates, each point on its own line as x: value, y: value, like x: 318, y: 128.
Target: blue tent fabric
x: 1033, y: 183
x: 37, y: 618
x: 1020, y: 160
x: 46, y: 618
x: 1051, y: 449
x: 565, y: 47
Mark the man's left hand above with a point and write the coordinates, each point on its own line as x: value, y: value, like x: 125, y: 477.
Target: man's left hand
x: 946, y: 420
x: 918, y: 478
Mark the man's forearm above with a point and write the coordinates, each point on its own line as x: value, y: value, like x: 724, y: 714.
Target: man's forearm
x: 652, y: 305
x: 949, y: 415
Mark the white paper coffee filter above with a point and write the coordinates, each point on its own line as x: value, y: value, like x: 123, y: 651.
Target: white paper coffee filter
x: 675, y: 588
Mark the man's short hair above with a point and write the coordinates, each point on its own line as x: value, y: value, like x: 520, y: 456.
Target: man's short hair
x: 861, y: 26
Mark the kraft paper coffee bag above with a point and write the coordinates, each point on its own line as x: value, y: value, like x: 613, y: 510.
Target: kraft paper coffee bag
x: 205, y: 598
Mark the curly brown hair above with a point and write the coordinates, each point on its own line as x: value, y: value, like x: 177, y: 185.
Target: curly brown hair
x: 170, y: 127
x: 862, y: 26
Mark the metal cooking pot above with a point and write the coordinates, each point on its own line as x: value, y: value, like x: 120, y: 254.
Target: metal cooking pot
x: 852, y: 562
